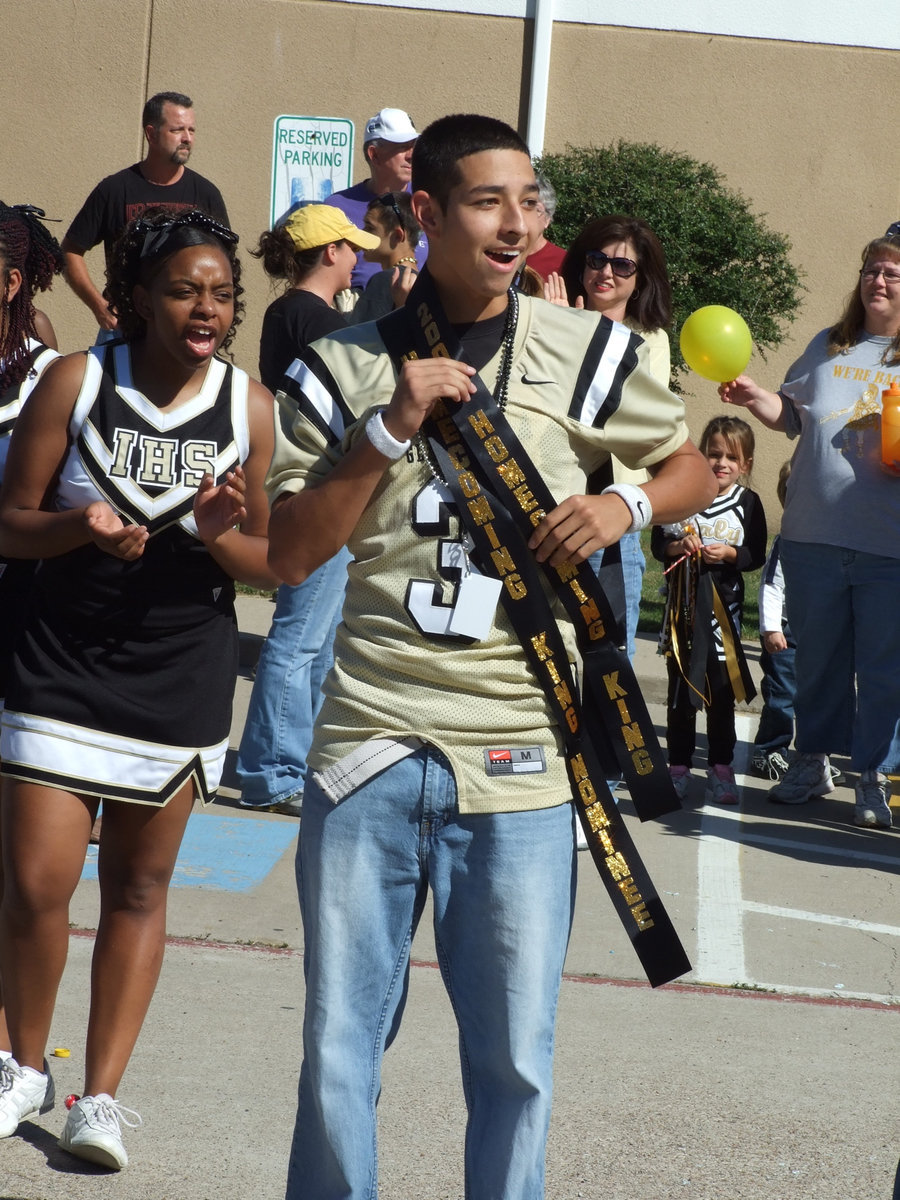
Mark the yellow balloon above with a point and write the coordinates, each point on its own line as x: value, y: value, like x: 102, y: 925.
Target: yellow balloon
x: 716, y: 343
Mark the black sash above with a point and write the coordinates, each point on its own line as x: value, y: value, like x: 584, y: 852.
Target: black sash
x: 500, y: 497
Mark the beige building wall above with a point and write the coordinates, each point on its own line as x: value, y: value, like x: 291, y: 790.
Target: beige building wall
x: 803, y: 130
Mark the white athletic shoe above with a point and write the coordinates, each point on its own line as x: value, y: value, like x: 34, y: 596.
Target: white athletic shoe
x: 872, y: 808
x: 93, y: 1131
x: 24, y: 1093
x: 806, y: 778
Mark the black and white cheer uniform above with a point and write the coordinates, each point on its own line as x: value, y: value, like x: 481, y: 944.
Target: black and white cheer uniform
x: 16, y: 574
x: 123, y: 677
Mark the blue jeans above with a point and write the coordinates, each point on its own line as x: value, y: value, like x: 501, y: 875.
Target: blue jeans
x: 503, y: 887
x: 843, y: 610
x: 779, y: 683
x: 633, y: 566
x: 287, y: 691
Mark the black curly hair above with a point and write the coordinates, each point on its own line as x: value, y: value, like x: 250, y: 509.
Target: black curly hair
x: 30, y: 248
x: 146, y: 244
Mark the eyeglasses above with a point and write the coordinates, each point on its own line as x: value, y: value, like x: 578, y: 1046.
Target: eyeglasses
x: 871, y: 274
x: 623, y: 267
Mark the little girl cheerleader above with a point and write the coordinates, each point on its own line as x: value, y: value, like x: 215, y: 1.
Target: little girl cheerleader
x: 701, y: 634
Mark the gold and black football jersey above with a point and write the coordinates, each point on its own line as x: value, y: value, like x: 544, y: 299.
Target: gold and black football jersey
x: 578, y: 392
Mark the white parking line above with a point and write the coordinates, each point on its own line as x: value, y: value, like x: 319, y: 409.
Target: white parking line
x: 720, y: 904
x: 720, y: 915
x: 796, y: 914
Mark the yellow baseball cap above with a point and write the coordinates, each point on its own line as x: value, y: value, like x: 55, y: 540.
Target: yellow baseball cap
x: 318, y: 224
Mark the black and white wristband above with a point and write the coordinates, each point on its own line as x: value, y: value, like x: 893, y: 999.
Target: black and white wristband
x: 638, y: 504
x: 383, y: 442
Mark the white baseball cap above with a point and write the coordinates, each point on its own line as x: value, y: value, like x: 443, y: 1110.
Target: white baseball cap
x: 390, y: 125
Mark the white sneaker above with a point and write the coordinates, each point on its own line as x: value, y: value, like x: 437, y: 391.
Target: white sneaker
x: 720, y: 785
x: 681, y: 780
x: 806, y: 777
x: 92, y: 1130
x: 24, y: 1093
x: 872, y: 807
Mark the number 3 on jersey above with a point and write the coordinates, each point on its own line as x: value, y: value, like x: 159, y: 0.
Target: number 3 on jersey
x: 470, y: 613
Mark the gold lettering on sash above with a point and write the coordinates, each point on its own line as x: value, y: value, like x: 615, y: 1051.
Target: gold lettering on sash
x: 618, y: 867
x: 491, y: 535
x: 578, y: 591
x: 536, y: 517
x: 480, y: 510
x: 591, y: 614
x: 634, y: 739
x: 614, y: 861
x: 502, y: 560
x: 613, y: 688
x: 628, y: 888
x: 481, y: 424
x: 596, y: 815
x: 515, y: 586
x: 622, y: 706
x: 511, y: 474
x: 526, y: 500
x: 643, y: 763
x: 539, y: 643
x: 468, y: 484
x: 640, y: 914
x: 496, y: 449
x: 431, y: 332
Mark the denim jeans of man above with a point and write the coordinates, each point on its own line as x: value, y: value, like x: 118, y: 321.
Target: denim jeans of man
x: 779, y: 683
x: 843, y: 610
x: 287, y: 690
x: 503, y: 896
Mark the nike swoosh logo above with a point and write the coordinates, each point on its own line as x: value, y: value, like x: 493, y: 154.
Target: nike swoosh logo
x: 527, y: 379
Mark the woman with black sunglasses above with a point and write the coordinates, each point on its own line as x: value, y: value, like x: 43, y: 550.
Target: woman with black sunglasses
x: 617, y: 267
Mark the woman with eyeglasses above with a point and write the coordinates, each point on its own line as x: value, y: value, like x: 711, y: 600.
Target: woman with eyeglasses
x: 840, y: 541
x: 135, y: 474
x: 616, y: 266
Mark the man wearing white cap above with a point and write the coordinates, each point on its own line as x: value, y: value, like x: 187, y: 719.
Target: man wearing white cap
x: 387, y: 145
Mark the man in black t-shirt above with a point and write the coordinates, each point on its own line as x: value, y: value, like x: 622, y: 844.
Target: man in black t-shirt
x: 159, y: 179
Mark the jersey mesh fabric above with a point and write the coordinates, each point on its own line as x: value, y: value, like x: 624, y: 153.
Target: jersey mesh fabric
x: 393, y: 675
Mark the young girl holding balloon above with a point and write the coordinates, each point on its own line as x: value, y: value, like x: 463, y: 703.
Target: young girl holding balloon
x: 706, y: 557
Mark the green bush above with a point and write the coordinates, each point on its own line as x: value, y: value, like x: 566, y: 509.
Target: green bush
x: 717, y: 250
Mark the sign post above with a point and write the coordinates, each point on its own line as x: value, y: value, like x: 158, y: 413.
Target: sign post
x: 311, y: 158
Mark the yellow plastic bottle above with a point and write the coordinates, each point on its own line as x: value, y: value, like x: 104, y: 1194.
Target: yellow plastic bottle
x: 890, y: 429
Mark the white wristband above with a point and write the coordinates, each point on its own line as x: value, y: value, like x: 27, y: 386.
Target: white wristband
x: 638, y: 504
x: 383, y: 442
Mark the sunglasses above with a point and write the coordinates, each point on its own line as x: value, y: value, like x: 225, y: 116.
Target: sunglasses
x: 388, y: 201
x: 623, y: 267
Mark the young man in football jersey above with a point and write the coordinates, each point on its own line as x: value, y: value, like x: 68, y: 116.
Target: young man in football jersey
x: 437, y: 760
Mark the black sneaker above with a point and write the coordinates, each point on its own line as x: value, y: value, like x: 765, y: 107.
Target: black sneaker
x: 772, y: 766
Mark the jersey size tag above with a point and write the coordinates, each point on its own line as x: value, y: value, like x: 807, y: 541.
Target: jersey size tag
x: 523, y: 760
x: 473, y: 609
